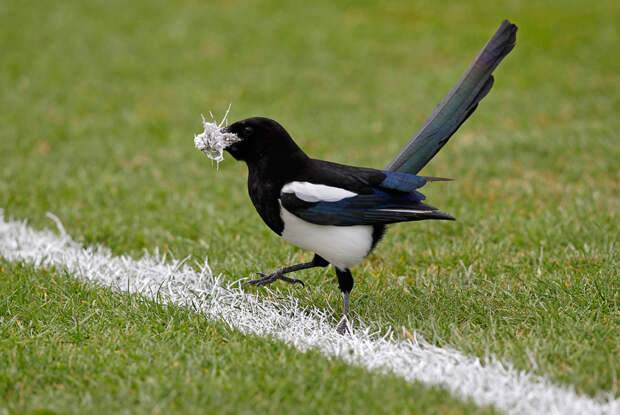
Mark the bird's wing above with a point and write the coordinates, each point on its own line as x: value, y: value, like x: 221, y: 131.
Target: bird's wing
x: 458, y: 105
x: 361, y: 180
x: 330, y: 205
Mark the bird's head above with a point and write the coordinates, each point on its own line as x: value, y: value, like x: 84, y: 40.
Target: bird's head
x: 259, y: 137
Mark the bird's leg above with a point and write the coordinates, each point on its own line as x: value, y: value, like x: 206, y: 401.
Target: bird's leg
x: 346, y: 303
x: 278, y: 274
x: 343, y: 326
x: 345, y: 282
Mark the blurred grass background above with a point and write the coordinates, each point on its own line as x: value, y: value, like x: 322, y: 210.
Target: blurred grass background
x: 100, y: 101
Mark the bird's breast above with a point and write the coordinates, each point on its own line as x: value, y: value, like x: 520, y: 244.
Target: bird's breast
x: 264, y: 196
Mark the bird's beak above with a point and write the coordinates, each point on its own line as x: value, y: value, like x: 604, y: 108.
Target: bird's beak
x: 232, y: 148
x: 227, y: 130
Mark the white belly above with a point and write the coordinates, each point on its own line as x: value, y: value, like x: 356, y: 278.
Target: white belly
x: 342, y: 246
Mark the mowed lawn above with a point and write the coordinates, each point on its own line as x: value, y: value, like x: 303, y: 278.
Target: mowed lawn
x: 100, y: 101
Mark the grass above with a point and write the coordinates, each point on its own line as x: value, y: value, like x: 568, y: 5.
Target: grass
x: 70, y: 348
x: 101, y: 100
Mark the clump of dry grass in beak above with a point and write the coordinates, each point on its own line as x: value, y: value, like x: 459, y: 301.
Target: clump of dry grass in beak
x: 212, y: 141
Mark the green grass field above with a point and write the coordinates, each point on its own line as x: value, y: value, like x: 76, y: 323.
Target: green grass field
x: 100, y: 101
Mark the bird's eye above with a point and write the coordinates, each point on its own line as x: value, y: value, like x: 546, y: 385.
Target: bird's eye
x: 247, y: 131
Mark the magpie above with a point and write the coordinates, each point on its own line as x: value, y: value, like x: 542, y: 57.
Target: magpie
x: 340, y: 212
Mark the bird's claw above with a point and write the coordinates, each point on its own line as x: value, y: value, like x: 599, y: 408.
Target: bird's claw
x: 267, y: 279
x: 343, y: 327
x: 292, y: 280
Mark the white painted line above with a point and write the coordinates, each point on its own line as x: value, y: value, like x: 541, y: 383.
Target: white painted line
x: 485, y: 382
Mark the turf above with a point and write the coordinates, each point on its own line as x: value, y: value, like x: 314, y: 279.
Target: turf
x: 101, y: 100
x: 70, y: 348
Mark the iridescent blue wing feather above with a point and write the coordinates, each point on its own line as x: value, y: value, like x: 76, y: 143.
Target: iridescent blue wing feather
x: 395, y: 199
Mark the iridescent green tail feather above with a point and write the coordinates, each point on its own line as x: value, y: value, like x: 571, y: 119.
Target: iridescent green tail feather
x: 458, y: 105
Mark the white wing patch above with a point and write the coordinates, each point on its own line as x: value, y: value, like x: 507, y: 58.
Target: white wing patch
x: 311, y: 192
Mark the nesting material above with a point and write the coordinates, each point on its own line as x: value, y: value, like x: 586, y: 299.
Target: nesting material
x: 212, y: 141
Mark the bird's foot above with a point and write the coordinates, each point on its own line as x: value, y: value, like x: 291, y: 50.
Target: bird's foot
x: 344, y: 327
x: 267, y: 279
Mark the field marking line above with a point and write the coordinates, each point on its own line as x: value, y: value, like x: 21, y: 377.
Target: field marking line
x: 485, y: 382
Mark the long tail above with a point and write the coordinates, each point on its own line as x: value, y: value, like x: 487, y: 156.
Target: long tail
x: 458, y: 105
